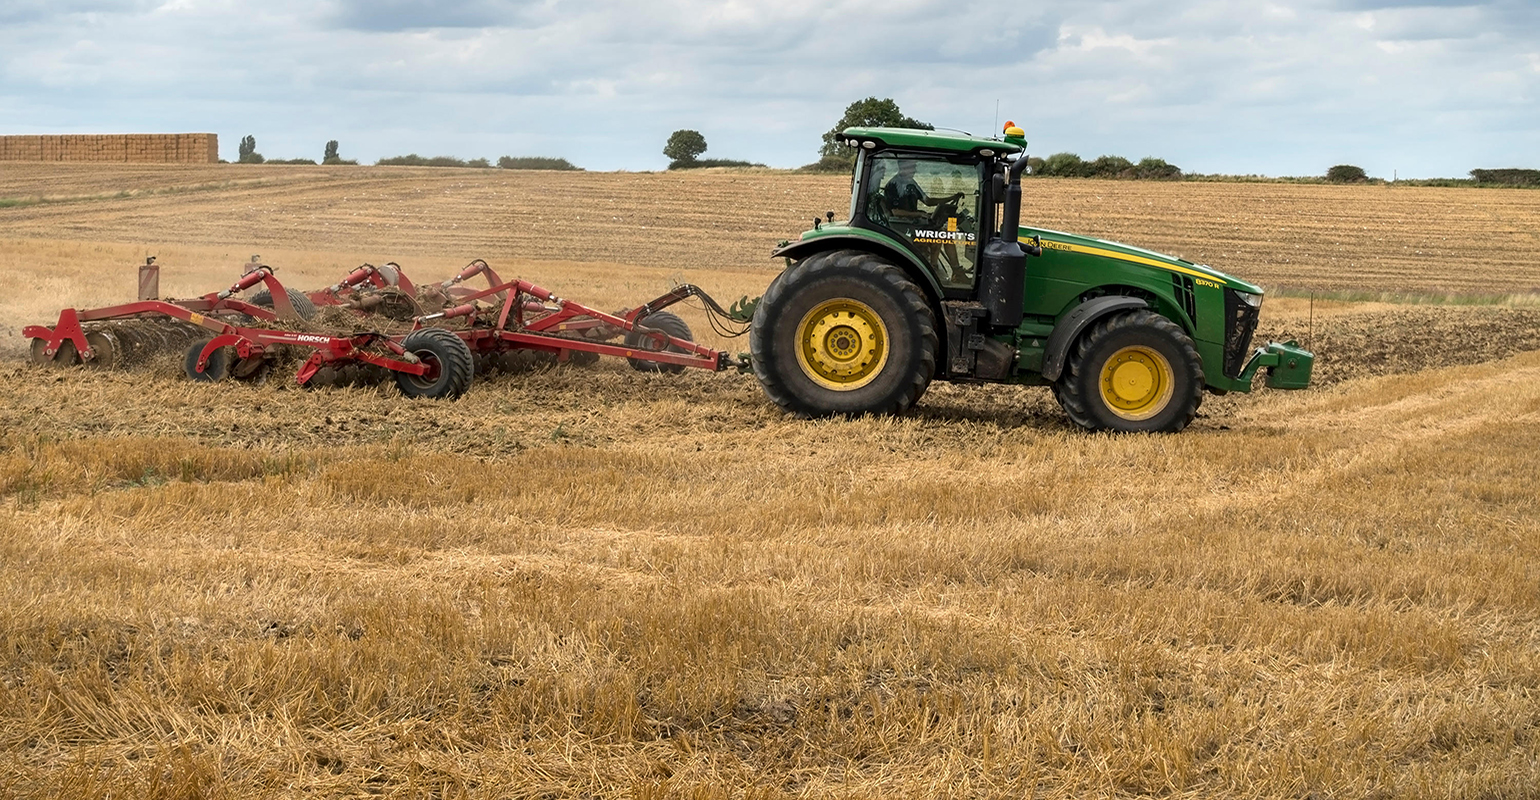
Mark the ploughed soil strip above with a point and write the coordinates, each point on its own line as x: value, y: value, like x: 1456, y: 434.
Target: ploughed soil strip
x: 1409, y: 339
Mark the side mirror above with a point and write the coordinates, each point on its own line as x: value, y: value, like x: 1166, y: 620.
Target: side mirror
x: 997, y: 186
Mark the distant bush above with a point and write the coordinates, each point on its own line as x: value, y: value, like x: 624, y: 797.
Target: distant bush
x: 1346, y: 173
x: 1507, y: 177
x: 1065, y: 165
x: 835, y: 163
x: 290, y: 161
x: 535, y: 162
x: 1111, y: 167
x: 713, y: 162
x: 1156, y: 169
x: 414, y: 160
x: 1069, y: 165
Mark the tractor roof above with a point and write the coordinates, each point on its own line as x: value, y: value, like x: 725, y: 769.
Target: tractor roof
x: 953, y: 141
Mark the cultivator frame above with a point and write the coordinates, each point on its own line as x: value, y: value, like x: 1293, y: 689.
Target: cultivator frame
x: 521, y: 317
x: 568, y: 316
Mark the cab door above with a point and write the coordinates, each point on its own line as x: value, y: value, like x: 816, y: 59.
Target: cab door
x: 931, y: 203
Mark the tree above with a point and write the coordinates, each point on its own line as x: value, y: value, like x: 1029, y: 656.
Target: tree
x: 868, y: 113
x: 1346, y: 173
x: 331, y: 156
x: 248, y: 151
x: 684, y: 147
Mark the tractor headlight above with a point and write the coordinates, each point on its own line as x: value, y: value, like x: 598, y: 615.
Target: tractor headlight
x: 1253, y: 300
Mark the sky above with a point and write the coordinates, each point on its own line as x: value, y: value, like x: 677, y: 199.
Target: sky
x: 1270, y: 88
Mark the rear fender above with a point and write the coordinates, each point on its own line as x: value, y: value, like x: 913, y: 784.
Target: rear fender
x: 898, y: 256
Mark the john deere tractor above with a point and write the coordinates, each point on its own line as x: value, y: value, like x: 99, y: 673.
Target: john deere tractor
x: 933, y: 277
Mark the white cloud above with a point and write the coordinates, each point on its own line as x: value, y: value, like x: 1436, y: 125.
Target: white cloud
x: 1273, y: 86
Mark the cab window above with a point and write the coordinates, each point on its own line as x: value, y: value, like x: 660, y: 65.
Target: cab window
x: 932, y: 204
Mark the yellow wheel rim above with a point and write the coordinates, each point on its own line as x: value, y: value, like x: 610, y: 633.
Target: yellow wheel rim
x: 1136, y: 383
x: 842, y: 344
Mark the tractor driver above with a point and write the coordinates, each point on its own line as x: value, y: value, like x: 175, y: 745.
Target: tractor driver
x: 904, y: 195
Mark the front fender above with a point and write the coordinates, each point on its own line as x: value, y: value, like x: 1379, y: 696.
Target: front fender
x: 1068, y: 329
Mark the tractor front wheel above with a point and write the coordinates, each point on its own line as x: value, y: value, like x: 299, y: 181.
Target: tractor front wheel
x: 844, y: 332
x: 1137, y: 371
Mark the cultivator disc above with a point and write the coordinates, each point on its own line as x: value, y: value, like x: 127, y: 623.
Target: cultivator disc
x: 340, y: 375
x: 133, y: 342
x: 65, y: 356
x: 120, y: 343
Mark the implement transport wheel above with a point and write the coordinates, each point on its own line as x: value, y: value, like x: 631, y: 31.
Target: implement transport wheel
x: 449, y: 361
x: 664, y: 322
x: 1137, y: 371
x: 65, y: 356
x: 217, y: 368
x: 301, y: 302
x: 106, y: 347
x: 844, y: 332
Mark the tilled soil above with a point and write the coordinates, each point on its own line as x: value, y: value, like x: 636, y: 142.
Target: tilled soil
x: 1409, y: 339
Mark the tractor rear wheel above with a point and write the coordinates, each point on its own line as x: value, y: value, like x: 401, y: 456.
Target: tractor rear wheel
x: 301, y: 302
x: 450, y: 365
x: 1137, y: 371
x: 666, y: 322
x: 844, y: 332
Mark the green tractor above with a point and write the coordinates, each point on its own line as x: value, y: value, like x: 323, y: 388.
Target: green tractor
x: 933, y: 277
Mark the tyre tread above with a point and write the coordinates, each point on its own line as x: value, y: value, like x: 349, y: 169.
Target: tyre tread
x: 455, y: 361
x: 1068, y: 389
x: 873, y: 269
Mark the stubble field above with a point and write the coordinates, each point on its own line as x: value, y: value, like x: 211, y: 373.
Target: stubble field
x: 596, y: 582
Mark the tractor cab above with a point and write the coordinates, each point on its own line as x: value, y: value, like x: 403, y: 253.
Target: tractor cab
x: 930, y: 192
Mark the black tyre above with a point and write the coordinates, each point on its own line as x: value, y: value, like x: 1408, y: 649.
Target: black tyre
x: 667, y: 323
x: 450, y: 365
x: 217, y: 368
x: 302, y: 305
x: 844, y: 332
x: 1137, y: 371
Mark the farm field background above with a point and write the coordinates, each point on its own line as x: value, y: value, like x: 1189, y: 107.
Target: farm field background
x: 607, y: 583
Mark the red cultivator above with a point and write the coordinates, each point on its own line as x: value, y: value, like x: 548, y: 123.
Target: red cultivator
x: 437, y: 358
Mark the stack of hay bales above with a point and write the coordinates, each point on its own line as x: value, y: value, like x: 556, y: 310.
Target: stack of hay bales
x: 134, y: 148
